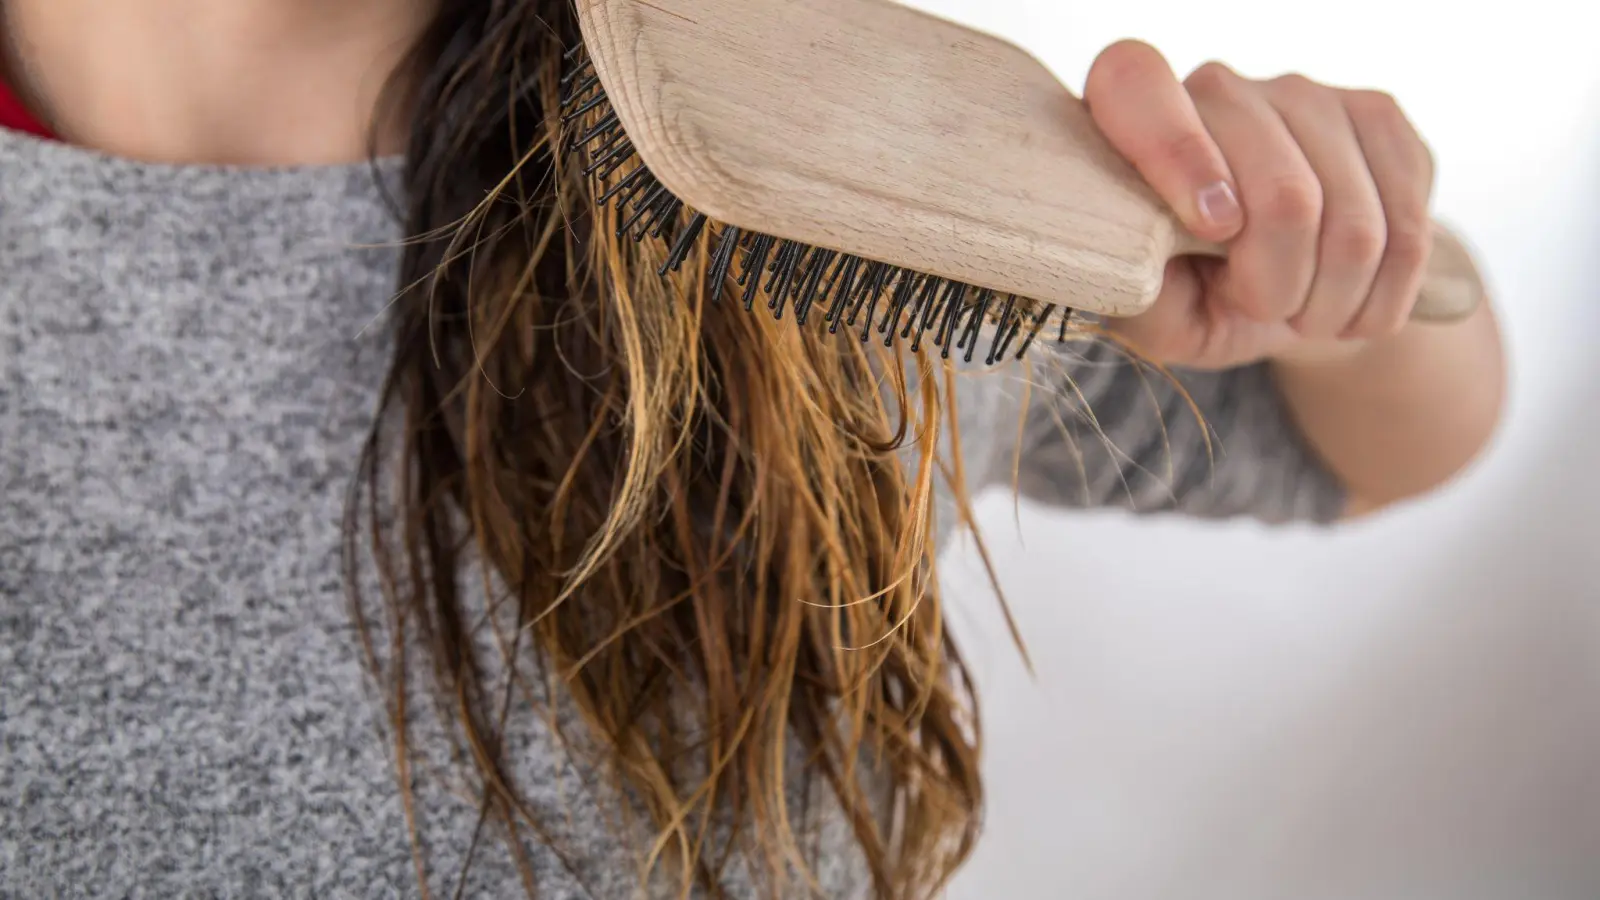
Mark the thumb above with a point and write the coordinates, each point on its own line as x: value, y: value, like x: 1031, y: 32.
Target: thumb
x: 1147, y: 115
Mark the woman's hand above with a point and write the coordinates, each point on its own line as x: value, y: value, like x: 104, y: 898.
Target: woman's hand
x: 1321, y: 194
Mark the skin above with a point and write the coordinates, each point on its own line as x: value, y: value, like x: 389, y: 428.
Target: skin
x: 1328, y: 234
x: 1327, y: 227
x: 238, y: 82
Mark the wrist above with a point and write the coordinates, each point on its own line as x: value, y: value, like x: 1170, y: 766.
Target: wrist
x: 1399, y: 416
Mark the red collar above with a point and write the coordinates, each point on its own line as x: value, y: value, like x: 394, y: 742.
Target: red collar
x: 15, y: 116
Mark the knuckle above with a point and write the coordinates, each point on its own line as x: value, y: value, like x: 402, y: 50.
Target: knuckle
x: 1380, y: 112
x: 1291, y: 202
x: 1377, y: 109
x: 1378, y: 103
x: 1212, y: 78
x: 1355, y: 241
x: 1410, y: 244
x: 1299, y: 91
x: 1299, y: 87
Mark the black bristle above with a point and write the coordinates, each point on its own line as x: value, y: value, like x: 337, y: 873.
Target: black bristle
x: 1066, y: 322
x: 842, y: 270
x: 667, y: 209
x: 613, y: 137
x: 784, y: 249
x: 618, y: 163
x: 752, y: 243
x: 643, y: 207
x: 684, y: 243
x: 1038, y: 325
x: 722, y: 260
x: 576, y: 72
x: 578, y: 89
x: 590, y: 104
x: 790, y: 283
x: 952, y: 311
x: 887, y: 275
x: 935, y: 312
x: 1000, y: 329
x: 604, y: 125
x: 955, y: 315
x: 791, y: 274
x: 820, y: 261
x: 997, y: 352
x: 871, y: 286
x: 927, y: 303
x: 578, y: 140
x: 920, y: 292
x: 610, y: 156
x: 975, y: 324
x: 840, y: 264
x: 754, y: 262
x: 904, y: 290
x: 636, y: 191
x: 842, y: 294
x: 636, y: 177
x: 965, y: 322
x: 570, y: 83
x: 863, y: 289
x: 781, y: 262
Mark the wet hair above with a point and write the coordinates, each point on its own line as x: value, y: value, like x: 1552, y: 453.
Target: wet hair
x: 711, y: 531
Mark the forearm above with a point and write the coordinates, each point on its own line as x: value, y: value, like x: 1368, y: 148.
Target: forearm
x: 1400, y: 417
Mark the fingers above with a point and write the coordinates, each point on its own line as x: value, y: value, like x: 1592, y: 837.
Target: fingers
x: 1272, y: 263
x: 1175, y: 325
x: 1183, y: 327
x: 1353, y: 228
x: 1402, y: 169
x: 1142, y: 109
x: 1321, y: 195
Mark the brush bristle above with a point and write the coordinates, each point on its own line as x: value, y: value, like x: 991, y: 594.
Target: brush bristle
x: 859, y: 295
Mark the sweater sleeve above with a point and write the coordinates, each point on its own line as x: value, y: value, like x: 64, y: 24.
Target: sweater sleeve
x: 1101, y: 431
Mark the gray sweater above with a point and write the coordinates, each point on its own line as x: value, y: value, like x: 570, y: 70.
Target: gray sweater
x: 189, y: 359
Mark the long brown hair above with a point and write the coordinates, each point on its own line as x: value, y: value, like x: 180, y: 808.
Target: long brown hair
x: 712, y: 530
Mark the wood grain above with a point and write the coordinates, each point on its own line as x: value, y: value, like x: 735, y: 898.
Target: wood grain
x: 871, y: 128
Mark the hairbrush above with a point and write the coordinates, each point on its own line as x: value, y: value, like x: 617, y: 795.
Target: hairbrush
x: 891, y: 170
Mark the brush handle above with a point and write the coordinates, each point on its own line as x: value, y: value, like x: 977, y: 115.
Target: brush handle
x: 1452, y: 288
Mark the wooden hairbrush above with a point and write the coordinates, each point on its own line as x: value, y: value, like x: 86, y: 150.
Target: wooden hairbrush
x: 861, y: 157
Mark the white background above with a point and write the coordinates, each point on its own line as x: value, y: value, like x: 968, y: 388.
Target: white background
x: 1409, y: 709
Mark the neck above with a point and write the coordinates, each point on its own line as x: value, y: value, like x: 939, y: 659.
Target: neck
x: 237, y: 82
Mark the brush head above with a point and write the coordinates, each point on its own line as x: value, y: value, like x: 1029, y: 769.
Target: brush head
x: 866, y: 126
x: 844, y: 290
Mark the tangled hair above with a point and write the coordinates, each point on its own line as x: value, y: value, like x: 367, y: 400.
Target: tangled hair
x: 712, y: 531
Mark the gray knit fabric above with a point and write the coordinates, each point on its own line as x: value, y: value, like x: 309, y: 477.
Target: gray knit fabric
x: 189, y: 358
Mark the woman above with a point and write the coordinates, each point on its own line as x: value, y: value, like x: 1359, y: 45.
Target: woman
x: 642, y: 586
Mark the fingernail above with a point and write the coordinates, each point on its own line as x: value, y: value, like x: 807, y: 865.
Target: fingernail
x: 1218, y: 205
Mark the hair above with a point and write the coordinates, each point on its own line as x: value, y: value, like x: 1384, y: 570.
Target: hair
x: 711, y: 531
